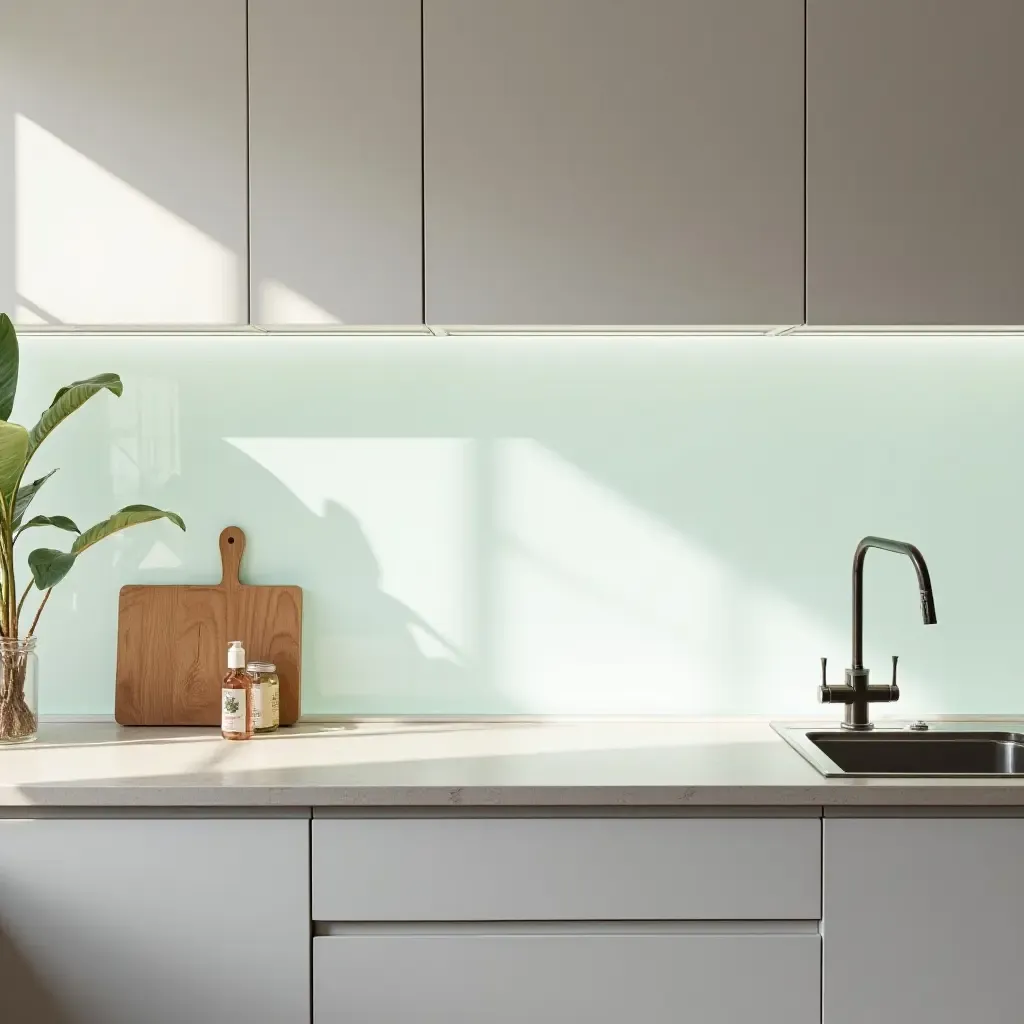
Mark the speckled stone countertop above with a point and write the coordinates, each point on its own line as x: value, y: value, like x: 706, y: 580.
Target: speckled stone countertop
x: 670, y: 764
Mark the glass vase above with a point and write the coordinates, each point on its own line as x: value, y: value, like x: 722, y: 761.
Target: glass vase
x: 19, y: 690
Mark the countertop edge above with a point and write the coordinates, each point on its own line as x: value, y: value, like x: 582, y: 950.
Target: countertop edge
x: 469, y: 798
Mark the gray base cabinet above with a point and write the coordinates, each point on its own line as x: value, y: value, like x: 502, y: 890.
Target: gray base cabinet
x: 555, y: 978
x: 546, y: 920
x: 923, y: 920
x: 576, y: 869
x: 128, y: 921
x: 551, y: 920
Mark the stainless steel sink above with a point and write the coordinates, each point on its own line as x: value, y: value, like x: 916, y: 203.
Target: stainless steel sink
x: 939, y: 749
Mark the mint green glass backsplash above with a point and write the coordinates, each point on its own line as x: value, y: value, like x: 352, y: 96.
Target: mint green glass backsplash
x: 490, y: 526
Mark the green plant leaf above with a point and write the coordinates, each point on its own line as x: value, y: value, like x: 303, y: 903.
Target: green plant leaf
x: 13, y: 453
x: 49, y: 567
x: 61, y: 522
x: 25, y: 495
x: 130, y: 515
x: 67, y: 400
x: 8, y: 366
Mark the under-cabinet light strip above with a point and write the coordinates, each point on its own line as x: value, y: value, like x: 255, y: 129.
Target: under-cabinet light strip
x: 439, y: 331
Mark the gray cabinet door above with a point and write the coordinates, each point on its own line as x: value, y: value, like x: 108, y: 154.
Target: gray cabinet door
x: 335, y: 161
x: 922, y: 920
x: 556, y: 978
x: 164, y: 921
x: 601, y: 162
x: 122, y: 161
x: 915, y: 158
x: 577, y: 869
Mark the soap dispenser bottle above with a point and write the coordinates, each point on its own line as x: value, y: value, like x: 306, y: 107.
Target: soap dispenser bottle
x: 236, y: 696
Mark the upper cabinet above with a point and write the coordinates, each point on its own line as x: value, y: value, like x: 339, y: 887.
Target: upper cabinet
x: 122, y: 161
x: 335, y: 171
x: 600, y: 162
x: 915, y: 162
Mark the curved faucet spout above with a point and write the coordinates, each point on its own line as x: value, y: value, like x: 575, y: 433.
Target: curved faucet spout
x: 924, y: 583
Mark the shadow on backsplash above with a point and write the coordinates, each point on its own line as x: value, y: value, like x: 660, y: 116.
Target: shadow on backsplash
x: 556, y: 526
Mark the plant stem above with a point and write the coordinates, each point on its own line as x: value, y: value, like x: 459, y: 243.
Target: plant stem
x: 39, y: 611
x: 21, y: 603
x: 6, y: 559
x: 10, y: 596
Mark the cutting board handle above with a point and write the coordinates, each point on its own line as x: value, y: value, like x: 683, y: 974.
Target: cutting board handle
x: 232, y: 545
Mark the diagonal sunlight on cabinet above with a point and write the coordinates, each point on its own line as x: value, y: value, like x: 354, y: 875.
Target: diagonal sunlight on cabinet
x: 122, y: 161
x: 922, y: 920
x: 116, y: 921
x: 335, y: 162
x: 601, y: 162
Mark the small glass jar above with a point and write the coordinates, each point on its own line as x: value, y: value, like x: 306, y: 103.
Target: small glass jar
x: 266, y: 696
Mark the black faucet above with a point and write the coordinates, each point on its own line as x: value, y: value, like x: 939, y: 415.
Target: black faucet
x: 856, y: 693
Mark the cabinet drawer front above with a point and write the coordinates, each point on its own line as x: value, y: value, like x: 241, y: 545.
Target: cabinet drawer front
x: 577, y: 869
x: 551, y: 979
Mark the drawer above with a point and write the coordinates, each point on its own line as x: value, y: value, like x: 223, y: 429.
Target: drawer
x: 575, y: 869
x: 601, y: 978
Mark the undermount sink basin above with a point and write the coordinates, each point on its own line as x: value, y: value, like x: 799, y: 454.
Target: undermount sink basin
x: 945, y: 749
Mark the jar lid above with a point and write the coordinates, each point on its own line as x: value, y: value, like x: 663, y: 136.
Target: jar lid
x: 262, y: 667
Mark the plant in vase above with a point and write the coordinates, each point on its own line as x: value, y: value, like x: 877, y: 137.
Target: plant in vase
x: 18, y: 446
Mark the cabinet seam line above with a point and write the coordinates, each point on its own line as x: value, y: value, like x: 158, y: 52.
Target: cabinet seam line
x: 423, y: 172
x: 248, y: 175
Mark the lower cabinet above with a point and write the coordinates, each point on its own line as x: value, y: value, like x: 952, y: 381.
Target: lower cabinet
x: 923, y: 920
x: 133, y: 921
x: 574, y: 975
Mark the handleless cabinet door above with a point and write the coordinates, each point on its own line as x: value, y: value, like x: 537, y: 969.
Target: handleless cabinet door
x: 601, y: 162
x: 922, y: 920
x: 335, y: 162
x: 915, y: 158
x: 555, y: 978
x: 108, y: 921
x: 122, y: 161
x: 570, y: 869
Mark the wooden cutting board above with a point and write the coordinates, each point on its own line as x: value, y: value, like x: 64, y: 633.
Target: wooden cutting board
x: 172, y: 644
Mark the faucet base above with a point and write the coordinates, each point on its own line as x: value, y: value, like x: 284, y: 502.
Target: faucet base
x: 857, y: 726
x: 856, y: 714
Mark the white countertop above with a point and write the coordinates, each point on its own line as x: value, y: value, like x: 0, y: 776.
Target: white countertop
x: 433, y: 764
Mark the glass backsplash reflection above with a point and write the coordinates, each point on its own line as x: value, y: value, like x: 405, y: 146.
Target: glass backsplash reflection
x: 577, y: 525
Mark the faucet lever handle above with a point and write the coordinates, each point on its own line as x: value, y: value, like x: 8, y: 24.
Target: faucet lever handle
x: 894, y: 690
x: 824, y: 694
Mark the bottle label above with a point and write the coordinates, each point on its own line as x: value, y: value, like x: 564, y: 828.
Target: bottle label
x: 232, y: 710
x: 275, y: 704
x: 259, y: 709
x: 266, y: 704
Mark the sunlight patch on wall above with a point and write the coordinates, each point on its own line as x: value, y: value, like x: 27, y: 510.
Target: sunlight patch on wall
x: 603, y: 608
x: 160, y: 556
x: 279, y: 304
x: 389, y: 544
x: 90, y: 248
